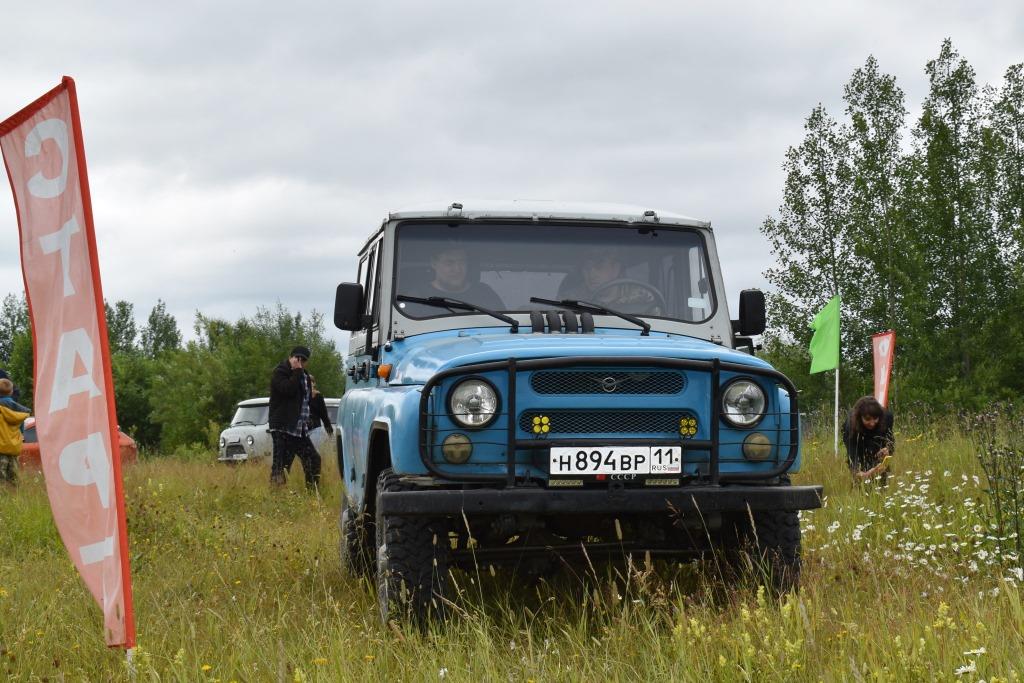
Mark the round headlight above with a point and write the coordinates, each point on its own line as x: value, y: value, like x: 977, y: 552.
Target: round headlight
x: 223, y: 442
x: 473, y: 403
x: 743, y: 403
x: 249, y: 440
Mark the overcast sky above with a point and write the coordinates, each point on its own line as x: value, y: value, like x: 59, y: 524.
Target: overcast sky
x: 239, y: 156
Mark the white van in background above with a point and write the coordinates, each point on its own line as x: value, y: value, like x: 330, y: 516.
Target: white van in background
x: 248, y: 436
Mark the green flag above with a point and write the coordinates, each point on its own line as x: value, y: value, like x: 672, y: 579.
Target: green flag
x: 824, y: 347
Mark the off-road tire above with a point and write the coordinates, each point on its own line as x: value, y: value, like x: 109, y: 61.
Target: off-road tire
x: 770, y: 547
x: 357, y: 550
x: 412, y: 562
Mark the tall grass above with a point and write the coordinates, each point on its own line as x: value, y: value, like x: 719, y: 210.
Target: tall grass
x: 235, y: 582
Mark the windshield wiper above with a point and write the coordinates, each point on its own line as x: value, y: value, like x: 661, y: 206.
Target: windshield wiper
x: 242, y: 422
x: 594, y: 308
x: 445, y: 302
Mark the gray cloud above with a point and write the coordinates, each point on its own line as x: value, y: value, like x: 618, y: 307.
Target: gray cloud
x: 239, y: 154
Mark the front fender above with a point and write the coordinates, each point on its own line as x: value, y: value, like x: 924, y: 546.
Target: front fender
x: 379, y: 429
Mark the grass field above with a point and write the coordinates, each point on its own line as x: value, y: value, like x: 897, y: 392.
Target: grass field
x: 235, y: 583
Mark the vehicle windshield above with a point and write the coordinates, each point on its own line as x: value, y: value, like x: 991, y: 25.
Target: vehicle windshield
x: 651, y: 271
x: 256, y: 415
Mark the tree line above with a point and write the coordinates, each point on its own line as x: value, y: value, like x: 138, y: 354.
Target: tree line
x: 918, y: 226
x: 172, y: 393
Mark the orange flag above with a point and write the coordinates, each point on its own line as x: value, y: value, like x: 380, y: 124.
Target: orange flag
x: 883, y: 346
x: 76, y: 420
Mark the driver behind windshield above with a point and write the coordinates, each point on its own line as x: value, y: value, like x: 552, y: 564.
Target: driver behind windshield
x: 601, y: 280
x: 450, y: 266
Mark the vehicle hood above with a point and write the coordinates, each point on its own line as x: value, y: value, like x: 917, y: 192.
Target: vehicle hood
x: 239, y: 432
x: 417, y: 359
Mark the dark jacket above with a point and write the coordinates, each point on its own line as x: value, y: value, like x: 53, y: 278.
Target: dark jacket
x: 286, y: 396
x: 318, y: 414
x: 862, y: 448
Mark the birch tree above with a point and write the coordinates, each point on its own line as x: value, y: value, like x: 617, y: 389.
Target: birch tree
x: 810, y: 237
x: 965, y: 267
x: 877, y: 113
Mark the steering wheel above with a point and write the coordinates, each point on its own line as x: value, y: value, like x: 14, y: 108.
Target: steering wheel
x: 659, y: 298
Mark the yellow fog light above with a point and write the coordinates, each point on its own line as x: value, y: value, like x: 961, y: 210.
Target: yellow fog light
x: 687, y: 427
x: 541, y: 424
x: 757, y: 446
x: 456, y: 448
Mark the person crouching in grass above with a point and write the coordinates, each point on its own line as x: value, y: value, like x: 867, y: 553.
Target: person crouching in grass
x: 12, y: 424
x: 867, y: 434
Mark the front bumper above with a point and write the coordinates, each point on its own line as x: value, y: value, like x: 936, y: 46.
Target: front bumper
x: 541, y: 501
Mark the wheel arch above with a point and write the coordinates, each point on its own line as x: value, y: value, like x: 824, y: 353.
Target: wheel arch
x: 378, y: 459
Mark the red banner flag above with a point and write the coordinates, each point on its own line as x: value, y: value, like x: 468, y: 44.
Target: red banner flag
x: 76, y: 420
x: 884, y: 347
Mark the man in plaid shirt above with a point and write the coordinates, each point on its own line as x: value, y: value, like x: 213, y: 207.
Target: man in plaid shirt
x: 290, y: 395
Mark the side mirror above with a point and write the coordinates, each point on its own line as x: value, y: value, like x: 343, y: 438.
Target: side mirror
x: 752, y: 315
x: 348, y: 307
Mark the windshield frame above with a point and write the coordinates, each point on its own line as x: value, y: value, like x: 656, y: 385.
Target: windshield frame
x: 483, y: 224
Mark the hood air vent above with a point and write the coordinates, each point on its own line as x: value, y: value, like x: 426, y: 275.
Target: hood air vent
x: 566, y: 322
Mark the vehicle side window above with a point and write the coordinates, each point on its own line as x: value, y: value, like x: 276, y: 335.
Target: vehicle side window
x: 369, y: 286
x: 374, y: 300
x: 363, y: 267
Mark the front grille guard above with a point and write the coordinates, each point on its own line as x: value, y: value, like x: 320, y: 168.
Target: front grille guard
x: 512, y: 366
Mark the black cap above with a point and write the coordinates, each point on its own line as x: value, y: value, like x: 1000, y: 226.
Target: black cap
x: 301, y: 352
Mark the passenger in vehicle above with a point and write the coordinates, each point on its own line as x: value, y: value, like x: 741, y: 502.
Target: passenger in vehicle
x: 451, y: 270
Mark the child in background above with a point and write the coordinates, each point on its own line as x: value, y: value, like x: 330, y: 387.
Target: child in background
x: 12, y: 425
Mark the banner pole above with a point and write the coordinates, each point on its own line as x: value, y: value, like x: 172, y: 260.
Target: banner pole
x: 108, y: 379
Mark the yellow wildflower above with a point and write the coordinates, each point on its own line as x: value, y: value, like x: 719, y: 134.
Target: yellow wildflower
x: 206, y: 667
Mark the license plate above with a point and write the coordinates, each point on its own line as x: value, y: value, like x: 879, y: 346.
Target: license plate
x: 593, y: 460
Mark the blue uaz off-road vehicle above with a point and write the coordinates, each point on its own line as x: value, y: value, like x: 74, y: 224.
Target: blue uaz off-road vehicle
x: 532, y: 381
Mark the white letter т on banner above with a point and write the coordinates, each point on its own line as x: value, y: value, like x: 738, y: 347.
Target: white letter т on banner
x: 61, y: 241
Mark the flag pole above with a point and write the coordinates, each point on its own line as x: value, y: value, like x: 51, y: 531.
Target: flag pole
x: 837, y: 414
x: 825, y: 350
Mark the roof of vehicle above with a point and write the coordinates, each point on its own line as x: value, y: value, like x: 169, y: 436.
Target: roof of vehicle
x: 544, y: 209
x: 266, y: 401
x: 30, y: 423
